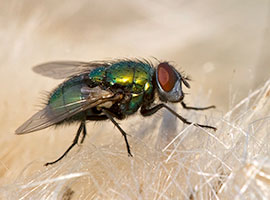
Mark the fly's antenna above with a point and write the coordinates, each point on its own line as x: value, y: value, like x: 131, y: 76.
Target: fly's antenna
x: 185, y: 80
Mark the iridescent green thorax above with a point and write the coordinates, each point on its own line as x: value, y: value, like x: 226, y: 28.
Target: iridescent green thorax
x: 134, y: 77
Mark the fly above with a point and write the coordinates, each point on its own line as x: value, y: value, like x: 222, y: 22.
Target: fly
x: 107, y: 90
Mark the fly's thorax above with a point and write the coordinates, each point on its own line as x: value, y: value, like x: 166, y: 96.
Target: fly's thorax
x: 128, y: 73
x: 120, y: 75
x: 135, y: 80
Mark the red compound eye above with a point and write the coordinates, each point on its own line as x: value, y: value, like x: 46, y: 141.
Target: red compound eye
x: 166, y: 76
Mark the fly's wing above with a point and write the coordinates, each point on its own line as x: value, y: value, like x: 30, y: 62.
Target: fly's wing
x: 64, y: 69
x: 50, y: 116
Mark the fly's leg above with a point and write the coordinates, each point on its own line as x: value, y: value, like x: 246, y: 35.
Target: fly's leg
x: 84, y: 134
x: 92, y: 118
x: 110, y: 117
x: 149, y: 111
x: 196, y: 108
x: 75, y: 141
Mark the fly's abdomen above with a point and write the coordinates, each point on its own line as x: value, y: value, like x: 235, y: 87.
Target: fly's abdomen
x: 67, y: 97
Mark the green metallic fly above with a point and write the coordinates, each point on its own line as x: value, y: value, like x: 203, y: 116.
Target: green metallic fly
x: 104, y: 90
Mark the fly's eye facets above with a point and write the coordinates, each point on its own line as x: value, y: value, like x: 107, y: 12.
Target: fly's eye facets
x: 166, y: 76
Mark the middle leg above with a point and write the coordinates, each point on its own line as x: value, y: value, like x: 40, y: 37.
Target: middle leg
x: 110, y: 117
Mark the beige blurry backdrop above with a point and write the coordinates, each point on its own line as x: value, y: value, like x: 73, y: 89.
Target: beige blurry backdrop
x: 223, y: 45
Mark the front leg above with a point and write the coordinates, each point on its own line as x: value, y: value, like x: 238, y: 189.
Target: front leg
x: 150, y: 111
x: 196, y: 108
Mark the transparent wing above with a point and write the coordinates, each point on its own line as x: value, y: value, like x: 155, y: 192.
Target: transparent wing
x: 50, y: 116
x: 64, y: 69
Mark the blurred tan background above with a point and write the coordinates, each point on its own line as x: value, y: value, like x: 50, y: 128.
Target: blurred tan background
x: 223, y: 45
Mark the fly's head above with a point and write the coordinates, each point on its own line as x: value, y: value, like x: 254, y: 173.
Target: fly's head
x: 169, y: 83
